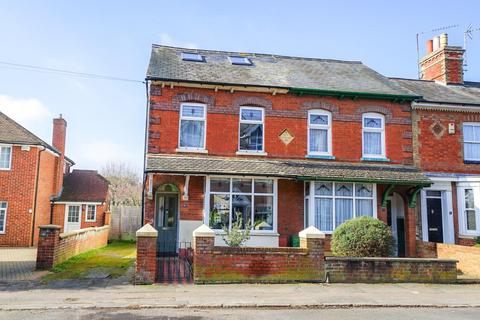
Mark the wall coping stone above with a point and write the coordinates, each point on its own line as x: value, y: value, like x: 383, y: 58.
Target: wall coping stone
x: 84, y: 230
x: 390, y: 259
x: 50, y: 226
x: 147, y: 231
x: 203, y: 231
x: 311, y: 233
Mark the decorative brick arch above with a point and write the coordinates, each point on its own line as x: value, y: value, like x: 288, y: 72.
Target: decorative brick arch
x: 192, y: 97
x: 252, y: 101
x: 311, y: 105
x: 375, y: 109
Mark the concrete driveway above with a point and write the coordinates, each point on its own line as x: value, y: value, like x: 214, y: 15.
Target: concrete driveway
x: 17, y: 264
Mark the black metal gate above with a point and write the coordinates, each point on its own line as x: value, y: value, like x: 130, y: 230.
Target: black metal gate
x: 175, y: 262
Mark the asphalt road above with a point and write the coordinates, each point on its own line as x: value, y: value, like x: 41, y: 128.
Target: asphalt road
x: 238, y: 313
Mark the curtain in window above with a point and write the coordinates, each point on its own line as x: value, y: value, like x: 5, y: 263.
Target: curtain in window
x: 472, y: 151
x: 191, y: 134
x: 324, y: 214
x: 343, y: 210
x: 372, y: 143
x: 318, y: 140
x: 364, y: 207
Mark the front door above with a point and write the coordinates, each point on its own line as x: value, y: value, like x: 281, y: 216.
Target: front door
x: 73, y: 218
x: 434, y: 216
x: 166, y: 222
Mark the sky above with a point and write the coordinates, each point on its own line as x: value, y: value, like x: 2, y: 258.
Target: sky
x: 106, y: 118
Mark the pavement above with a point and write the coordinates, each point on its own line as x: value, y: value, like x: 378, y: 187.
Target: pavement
x: 280, y: 296
x: 18, y: 264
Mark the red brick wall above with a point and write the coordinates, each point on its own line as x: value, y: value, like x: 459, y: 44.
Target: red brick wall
x: 17, y: 187
x: 282, y: 112
x: 214, y: 264
x: 443, y: 152
x: 290, y: 209
x: 189, y: 210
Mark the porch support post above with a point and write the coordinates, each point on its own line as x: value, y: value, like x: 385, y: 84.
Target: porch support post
x: 412, y: 196
x: 185, y: 188
x: 410, y: 232
x: 146, y: 267
x: 386, y: 194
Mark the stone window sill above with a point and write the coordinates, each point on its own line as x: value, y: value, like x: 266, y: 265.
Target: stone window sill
x: 183, y: 150
x: 251, y: 153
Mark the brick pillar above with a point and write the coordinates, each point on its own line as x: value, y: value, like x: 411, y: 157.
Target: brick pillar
x: 107, y: 218
x: 410, y: 232
x: 203, y: 245
x: 314, y: 240
x: 146, y: 267
x: 47, y: 246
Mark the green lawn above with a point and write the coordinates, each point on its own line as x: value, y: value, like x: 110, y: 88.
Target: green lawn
x: 114, y: 259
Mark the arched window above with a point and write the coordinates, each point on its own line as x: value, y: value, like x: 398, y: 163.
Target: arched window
x: 319, y: 132
x: 373, y: 136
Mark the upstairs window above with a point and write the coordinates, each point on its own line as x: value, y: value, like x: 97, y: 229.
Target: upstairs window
x: 251, y: 129
x: 5, y: 157
x: 240, y: 61
x: 319, y: 132
x: 192, y: 126
x: 191, y: 56
x: 471, y: 141
x: 3, y: 216
x: 373, y: 135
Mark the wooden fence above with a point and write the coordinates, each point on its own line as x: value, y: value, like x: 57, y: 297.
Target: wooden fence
x: 125, y: 221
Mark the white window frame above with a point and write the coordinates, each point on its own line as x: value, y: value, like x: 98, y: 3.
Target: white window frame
x: 204, y: 119
x: 463, y: 230
x: 7, y: 146
x: 311, y: 201
x: 231, y: 194
x: 472, y: 124
x: 252, y: 122
x: 376, y: 130
x: 94, y: 213
x: 323, y: 127
x: 4, y: 210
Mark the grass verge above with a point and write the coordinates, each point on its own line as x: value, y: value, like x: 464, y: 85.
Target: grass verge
x: 114, y: 259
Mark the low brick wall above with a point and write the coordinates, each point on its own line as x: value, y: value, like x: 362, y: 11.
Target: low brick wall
x: 372, y: 270
x: 426, y: 249
x: 214, y: 264
x: 468, y: 258
x: 54, y: 248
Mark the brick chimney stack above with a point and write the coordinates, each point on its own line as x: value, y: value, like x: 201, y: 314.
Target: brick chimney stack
x: 442, y: 62
x: 58, y: 141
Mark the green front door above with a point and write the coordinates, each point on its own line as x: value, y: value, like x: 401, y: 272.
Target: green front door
x: 166, y: 222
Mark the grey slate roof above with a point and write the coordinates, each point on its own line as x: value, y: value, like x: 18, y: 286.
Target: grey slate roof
x: 286, y: 168
x: 468, y: 93
x: 269, y: 70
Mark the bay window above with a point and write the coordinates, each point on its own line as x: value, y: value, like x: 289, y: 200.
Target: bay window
x: 192, y: 126
x: 251, y: 200
x: 5, y: 157
x: 333, y: 203
x: 373, y: 135
x: 319, y: 132
x: 251, y: 131
x: 471, y: 141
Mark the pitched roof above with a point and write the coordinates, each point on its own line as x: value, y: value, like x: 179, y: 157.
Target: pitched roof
x: 431, y: 91
x: 286, y: 168
x: 84, y: 186
x: 269, y: 70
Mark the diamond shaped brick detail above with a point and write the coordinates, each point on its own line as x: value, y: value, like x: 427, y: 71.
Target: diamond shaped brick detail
x: 286, y: 137
x: 438, y: 129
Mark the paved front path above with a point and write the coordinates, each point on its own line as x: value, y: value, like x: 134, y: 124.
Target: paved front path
x: 17, y: 264
x: 226, y: 296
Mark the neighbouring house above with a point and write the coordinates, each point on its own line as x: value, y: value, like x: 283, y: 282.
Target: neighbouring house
x: 37, y: 187
x: 446, y: 130
x: 281, y: 142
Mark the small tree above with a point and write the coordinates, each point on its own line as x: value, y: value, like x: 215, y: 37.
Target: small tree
x: 363, y: 237
x: 125, y: 184
x: 237, y: 235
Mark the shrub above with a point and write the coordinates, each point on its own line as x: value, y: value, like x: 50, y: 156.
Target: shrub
x: 363, y: 237
x: 238, y: 234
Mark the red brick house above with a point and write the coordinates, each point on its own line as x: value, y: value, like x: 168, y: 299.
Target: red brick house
x: 33, y: 190
x: 446, y: 130
x: 283, y: 142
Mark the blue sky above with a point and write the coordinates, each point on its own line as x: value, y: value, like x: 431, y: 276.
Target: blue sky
x: 106, y: 118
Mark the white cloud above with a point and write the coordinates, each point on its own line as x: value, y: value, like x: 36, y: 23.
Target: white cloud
x: 166, y: 39
x: 28, y: 112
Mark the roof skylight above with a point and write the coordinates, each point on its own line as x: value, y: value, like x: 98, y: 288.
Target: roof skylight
x: 191, y: 56
x: 240, y: 60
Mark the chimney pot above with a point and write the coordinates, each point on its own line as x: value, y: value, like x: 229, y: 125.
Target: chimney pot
x: 436, y: 43
x: 443, y: 40
x: 429, y: 46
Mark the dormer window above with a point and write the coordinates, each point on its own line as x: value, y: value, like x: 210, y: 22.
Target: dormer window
x: 191, y: 56
x: 244, y: 61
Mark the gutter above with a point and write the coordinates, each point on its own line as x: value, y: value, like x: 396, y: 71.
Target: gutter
x: 354, y: 95
x: 32, y: 240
